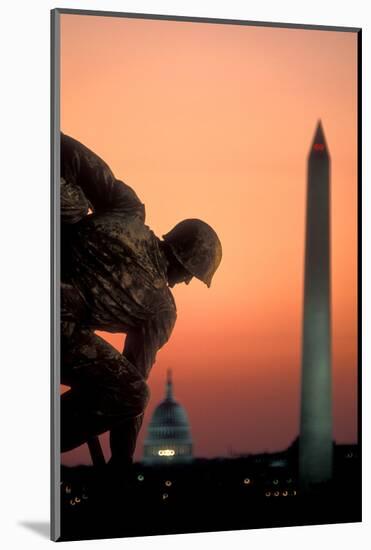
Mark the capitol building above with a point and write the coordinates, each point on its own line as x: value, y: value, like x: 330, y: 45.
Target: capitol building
x: 169, y: 437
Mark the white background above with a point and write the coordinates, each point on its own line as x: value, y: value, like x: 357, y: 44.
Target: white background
x: 25, y: 267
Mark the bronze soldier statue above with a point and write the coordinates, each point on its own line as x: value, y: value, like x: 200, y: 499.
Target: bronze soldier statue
x: 115, y: 277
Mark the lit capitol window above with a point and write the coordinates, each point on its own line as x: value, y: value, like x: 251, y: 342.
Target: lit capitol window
x: 166, y: 452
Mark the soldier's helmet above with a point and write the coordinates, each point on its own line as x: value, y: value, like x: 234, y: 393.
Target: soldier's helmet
x: 197, y: 247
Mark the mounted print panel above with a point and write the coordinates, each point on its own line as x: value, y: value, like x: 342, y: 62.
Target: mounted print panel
x: 206, y: 330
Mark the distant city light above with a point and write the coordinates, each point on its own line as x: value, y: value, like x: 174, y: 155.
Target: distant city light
x: 166, y: 452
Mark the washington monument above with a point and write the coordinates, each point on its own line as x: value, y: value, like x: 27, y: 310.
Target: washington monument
x: 315, y: 449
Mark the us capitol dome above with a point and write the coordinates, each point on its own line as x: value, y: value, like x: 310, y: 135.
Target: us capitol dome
x: 169, y: 437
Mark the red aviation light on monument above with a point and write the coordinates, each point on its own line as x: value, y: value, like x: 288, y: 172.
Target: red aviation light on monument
x: 319, y: 147
x: 319, y: 143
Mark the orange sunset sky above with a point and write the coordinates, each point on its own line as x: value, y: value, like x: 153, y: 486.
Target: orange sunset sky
x: 215, y: 121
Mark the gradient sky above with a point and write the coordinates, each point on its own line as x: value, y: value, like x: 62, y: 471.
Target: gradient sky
x: 215, y: 122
